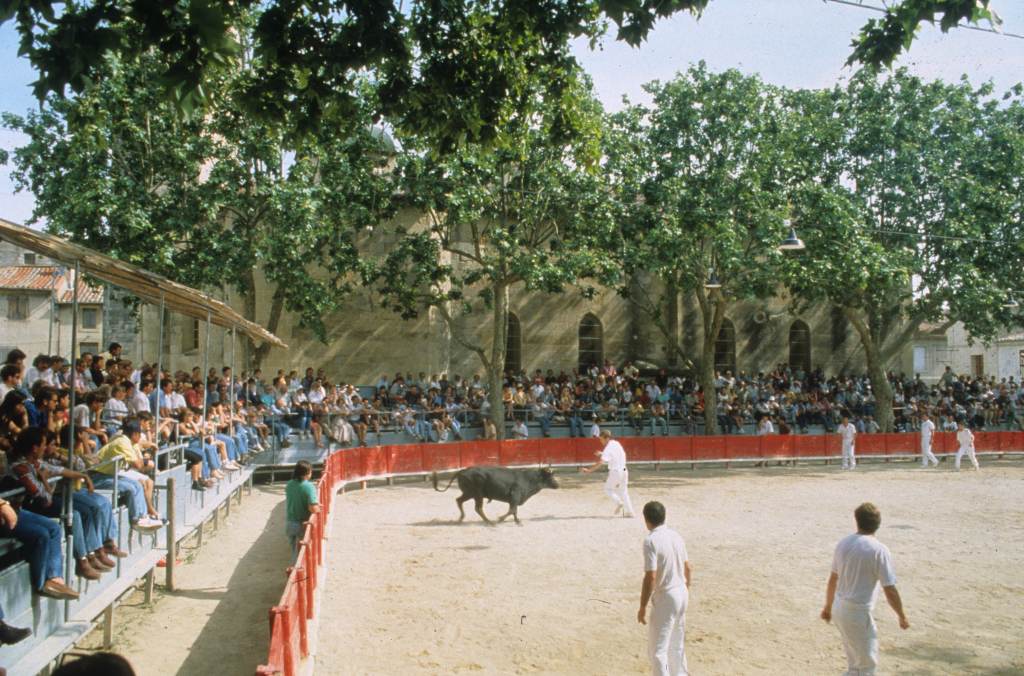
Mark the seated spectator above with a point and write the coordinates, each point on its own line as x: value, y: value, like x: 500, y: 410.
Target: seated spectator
x: 10, y: 635
x: 658, y: 419
x: 10, y: 379
x: 42, y: 540
x: 519, y: 429
x: 28, y: 466
x: 13, y: 414
x: 115, y: 410
x: 131, y: 482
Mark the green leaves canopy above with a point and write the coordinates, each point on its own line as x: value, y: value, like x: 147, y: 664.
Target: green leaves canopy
x: 455, y: 70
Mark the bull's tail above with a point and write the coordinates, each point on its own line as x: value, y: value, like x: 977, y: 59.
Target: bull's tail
x: 442, y: 490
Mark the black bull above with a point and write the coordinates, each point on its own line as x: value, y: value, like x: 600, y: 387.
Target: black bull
x: 514, y: 486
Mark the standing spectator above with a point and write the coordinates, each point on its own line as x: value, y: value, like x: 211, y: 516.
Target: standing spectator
x: 965, y: 438
x: 927, y: 432
x: 300, y: 502
x: 617, y: 484
x: 666, y: 585
x: 847, y: 432
x: 859, y: 565
x: 658, y: 416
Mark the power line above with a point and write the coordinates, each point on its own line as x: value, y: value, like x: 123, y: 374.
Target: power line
x: 860, y: 4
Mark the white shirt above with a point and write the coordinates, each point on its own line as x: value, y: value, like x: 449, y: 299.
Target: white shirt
x: 862, y: 562
x: 595, y: 430
x: 114, y: 410
x: 765, y: 427
x: 965, y: 439
x: 83, y: 416
x: 139, y: 402
x: 615, y: 455
x: 847, y: 432
x: 927, y: 429
x: 4, y: 390
x: 520, y: 430
x: 176, y: 401
x: 665, y: 553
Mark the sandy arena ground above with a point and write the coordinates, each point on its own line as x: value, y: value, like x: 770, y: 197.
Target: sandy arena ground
x: 215, y: 622
x: 411, y: 591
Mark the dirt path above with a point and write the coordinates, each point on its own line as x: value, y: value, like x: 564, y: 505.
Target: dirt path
x: 216, y: 621
x: 411, y: 592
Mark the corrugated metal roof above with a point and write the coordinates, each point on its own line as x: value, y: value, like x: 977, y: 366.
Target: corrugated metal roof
x: 47, y: 278
x: 144, y: 284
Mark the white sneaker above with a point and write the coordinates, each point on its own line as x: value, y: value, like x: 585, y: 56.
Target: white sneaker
x: 147, y: 524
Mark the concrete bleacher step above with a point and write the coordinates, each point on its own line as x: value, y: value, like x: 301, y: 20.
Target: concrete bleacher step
x: 15, y: 589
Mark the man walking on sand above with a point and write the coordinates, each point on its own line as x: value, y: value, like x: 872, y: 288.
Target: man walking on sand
x: 617, y: 484
x: 859, y: 565
x: 965, y: 438
x: 666, y: 586
x: 927, y: 432
x: 847, y: 432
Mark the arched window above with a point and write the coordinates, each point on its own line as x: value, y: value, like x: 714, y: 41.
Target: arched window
x: 513, y: 345
x: 591, y: 342
x: 725, y: 348
x: 800, y: 346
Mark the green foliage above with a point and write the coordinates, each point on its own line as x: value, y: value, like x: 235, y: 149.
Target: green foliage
x: 455, y: 70
x: 205, y: 201
x: 882, y: 40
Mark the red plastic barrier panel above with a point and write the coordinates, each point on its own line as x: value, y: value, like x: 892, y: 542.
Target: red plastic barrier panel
x: 710, y: 448
x: 376, y: 461
x: 778, y: 446
x: 480, y: 453
x: 561, y: 451
x: 908, y: 443
x: 673, y: 449
x: 638, y: 449
x: 405, y: 458
x: 519, y: 452
x: 834, y: 445
x: 986, y: 441
x: 944, y: 442
x: 439, y: 457
x: 353, y: 463
x: 1012, y: 441
x: 586, y: 447
x: 869, y: 444
x: 809, y: 445
x: 740, y: 446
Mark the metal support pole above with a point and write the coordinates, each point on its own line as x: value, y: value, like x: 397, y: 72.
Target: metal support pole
x: 53, y: 309
x: 108, y: 627
x: 69, y: 500
x: 172, y: 541
x: 206, y: 367
x: 159, y: 373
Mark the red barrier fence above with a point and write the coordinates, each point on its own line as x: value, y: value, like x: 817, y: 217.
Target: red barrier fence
x: 290, y: 619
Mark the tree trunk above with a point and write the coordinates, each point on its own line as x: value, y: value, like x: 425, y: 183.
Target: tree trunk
x: 258, y: 353
x: 876, y: 371
x: 496, y: 369
x: 707, y: 384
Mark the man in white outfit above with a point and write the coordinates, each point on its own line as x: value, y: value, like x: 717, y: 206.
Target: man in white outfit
x: 927, y: 432
x: 859, y: 565
x: 965, y: 438
x: 617, y: 484
x: 847, y: 432
x: 666, y: 586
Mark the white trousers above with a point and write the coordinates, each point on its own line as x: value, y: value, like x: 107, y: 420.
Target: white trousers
x: 666, y: 633
x: 926, y: 453
x: 969, y: 452
x: 860, y: 637
x: 849, y: 462
x: 617, y: 488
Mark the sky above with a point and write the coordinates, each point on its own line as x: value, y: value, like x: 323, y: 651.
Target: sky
x: 793, y: 43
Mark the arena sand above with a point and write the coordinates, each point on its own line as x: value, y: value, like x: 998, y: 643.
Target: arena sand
x: 411, y: 591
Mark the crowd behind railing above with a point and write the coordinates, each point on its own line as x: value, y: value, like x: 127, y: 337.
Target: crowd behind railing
x: 131, y: 420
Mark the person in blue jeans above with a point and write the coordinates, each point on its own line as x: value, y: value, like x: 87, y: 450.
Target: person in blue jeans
x: 41, y: 537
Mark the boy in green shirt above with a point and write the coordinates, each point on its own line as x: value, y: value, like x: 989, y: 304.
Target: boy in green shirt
x: 300, y: 502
